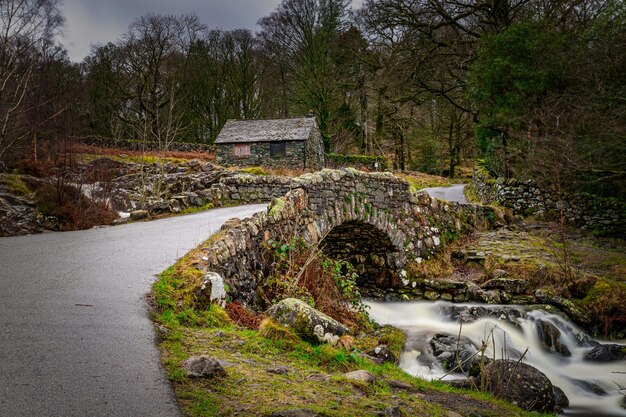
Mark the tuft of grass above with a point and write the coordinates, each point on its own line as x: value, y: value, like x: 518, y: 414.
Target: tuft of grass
x: 419, y: 180
x: 439, y: 266
x: 394, y: 338
x: 191, y: 210
x: 14, y: 184
x: 303, y: 272
x: 255, y: 171
x: 175, y: 295
x: 271, y: 330
x: 176, y: 287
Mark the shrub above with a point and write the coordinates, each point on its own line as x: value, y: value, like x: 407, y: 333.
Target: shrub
x: 242, y: 316
x: 302, y: 272
x: 74, y: 210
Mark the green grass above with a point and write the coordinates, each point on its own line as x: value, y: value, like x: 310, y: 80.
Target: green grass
x: 191, y: 210
x: 420, y: 181
x: 15, y: 184
x: 249, y: 390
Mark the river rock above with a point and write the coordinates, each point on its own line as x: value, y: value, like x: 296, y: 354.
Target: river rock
x: 589, y: 386
x: 382, y: 354
x: 550, y: 337
x: 445, y: 348
x: 469, y: 314
x: 307, y: 322
x: 278, y: 370
x: 573, y: 312
x: 394, y: 383
x: 520, y: 384
x: 203, y: 367
x: 606, y: 353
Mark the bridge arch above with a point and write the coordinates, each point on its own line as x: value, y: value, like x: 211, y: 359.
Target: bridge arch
x: 367, y: 248
x: 375, y: 221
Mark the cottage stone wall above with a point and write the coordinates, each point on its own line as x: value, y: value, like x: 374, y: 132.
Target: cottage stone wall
x: 384, y: 220
x: 295, y: 156
x: 260, y: 155
x: 316, y: 158
x: 604, y: 215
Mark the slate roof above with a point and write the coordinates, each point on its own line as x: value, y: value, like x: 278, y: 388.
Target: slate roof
x: 274, y: 130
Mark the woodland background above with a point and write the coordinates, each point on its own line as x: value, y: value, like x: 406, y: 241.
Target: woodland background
x: 531, y: 88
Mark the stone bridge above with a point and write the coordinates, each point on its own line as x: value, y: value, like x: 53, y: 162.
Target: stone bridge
x: 376, y: 221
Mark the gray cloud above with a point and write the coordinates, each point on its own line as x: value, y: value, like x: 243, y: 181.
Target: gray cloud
x: 91, y: 22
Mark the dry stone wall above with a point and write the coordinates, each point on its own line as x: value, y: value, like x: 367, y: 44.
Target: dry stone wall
x: 374, y: 214
x: 604, y: 215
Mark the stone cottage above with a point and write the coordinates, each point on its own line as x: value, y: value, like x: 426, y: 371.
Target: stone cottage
x: 291, y: 143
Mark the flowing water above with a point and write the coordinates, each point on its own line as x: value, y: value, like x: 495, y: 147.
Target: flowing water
x: 591, y: 387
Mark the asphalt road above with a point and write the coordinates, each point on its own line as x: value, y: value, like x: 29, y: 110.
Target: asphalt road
x: 75, y: 337
x: 452, y: 193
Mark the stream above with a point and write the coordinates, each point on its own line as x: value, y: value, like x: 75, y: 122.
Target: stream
x: 591, y: 387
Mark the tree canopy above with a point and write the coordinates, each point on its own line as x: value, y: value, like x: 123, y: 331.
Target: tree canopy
x: 535, y: 88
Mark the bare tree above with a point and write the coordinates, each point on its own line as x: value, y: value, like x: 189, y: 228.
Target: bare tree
x: 26, y: 27
x: 301, y: 34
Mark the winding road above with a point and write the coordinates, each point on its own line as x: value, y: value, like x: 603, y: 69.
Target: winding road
x: 453, y: 193
x: 75, y: 337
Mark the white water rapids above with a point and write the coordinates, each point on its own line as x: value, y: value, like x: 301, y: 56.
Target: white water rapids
x: 575, y: 376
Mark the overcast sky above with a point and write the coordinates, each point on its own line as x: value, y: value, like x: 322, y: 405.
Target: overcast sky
x: 100, y: 21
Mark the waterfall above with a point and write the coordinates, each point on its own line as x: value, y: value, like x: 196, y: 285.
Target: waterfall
x: 545, y: 340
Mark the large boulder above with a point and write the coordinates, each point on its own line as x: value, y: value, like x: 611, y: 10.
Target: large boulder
x: 203, y: 367
x: 606, y: 353
x: 451, y: 351
x: 307, y: 322
x: 520, y: 384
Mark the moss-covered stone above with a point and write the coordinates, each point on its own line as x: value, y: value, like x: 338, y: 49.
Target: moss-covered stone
x: 306, y: 322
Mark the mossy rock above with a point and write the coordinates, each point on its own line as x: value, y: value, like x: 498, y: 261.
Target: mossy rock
x: 308, y: 323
